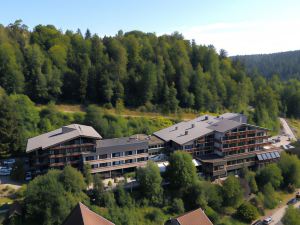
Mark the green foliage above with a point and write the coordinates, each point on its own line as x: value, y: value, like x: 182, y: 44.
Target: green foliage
x: 87, y: 174
x: 108, y: 199
x: 291, y: 216
x: 11, y: 135
x: 212, y: 215
x: 270, y: 197
x: 150, y: 182
x: 122, y: 197
x: 290, y: 167
x: 137, y: 69
x: 247, y: 212
x: 181, y: 171
x: 177, y: 206
x: 232, y: 191
x: 269, y: 174
x: 72, y: 180
x: 156, y: 216
x: 46, y: 200
x: 18, y: 171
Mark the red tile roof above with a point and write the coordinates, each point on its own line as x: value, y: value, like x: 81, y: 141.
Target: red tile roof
x: 196, y: 217
x: 82, y: 215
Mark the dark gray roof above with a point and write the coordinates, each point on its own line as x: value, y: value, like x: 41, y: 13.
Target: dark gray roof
x: 187, y: 131
x: 61, y: 135
x: 104, y: 143
x: 224, y: 125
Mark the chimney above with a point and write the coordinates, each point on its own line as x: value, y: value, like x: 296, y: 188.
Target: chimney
x: 186, y: 132
x: 193, y: 125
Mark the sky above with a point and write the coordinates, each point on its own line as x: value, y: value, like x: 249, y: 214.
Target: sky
x: 238, y: 26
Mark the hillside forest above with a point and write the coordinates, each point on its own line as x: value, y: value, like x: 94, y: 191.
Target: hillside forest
x: 165, y: 74
x: 285, y: 64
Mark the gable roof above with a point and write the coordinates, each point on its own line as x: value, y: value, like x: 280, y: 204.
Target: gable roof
x: 196, y: 217
x: 82, y: 215
x: 60, y: 135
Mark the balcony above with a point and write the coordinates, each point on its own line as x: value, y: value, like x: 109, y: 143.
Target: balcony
x: 242, y: 147
x: 117, y: 167
x: 118, y: 158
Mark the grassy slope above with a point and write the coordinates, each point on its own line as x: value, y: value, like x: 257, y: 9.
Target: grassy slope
x: 126, y: 112
x: 295, y: 125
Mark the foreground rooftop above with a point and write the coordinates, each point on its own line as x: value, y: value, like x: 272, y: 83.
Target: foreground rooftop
x: 60, y: 135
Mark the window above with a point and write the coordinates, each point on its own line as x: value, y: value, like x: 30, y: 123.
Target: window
x: 251, y: 135
x: 116, y: 154
x: 242, y: 128
x: 103, y: 165
x: 88, y: 158
x: 241, y: 143
x: 128, y: 161
x: 140, y: 151
x: 94, y: 166
x: 115, y: 163
x: 140, y: 159
x: 260, y: 134
x: 188, y: 147
x: 128, y: 153
x: 104, y: 156
x: 225, y: 145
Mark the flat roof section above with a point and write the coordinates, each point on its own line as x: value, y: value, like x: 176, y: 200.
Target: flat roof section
x: 152, y: 140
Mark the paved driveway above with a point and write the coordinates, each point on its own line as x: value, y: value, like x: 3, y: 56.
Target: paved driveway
x: 287, y: 130
x: 279, y: 213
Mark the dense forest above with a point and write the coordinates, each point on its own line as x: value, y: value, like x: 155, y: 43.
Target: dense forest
x: 139, y: 70
x: 285, y: 64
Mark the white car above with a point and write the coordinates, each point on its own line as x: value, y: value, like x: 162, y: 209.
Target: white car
x: 4, y: 171
x: 9, y: 162
x: 267, y: 220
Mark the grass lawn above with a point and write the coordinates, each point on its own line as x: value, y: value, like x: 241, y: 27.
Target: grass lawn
x: 184, y: 115
x: 4, y: 200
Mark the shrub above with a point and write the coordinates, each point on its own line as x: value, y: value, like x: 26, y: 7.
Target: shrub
x: 177, y: 206
x: 156, y: 216
x: 212, y: 215
x: 247, y: 212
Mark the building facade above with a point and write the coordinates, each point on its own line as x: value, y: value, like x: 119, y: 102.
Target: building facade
x: 223, y: 144
x: 116, y: 156
x: 61, y: 147
x: 77, y: 145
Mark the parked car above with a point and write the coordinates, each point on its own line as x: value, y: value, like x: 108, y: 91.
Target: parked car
x: 9, y: 162
x: 258, y: 222
x: 267, y: 220
x: 5, y: 171
x: 292, y: 201
x: 28, y: 176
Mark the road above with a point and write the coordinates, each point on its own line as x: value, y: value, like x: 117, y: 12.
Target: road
x: 287, y: 130
x: 277, y: 216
